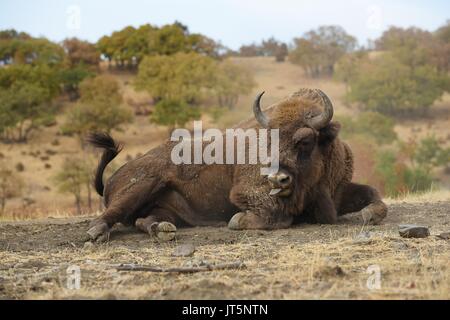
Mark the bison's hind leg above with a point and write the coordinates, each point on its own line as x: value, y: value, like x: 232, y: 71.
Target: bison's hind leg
x: 126, y: 207
x: 158, y: 224
x: 364, y: 199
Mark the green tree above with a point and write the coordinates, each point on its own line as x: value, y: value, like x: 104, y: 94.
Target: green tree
x: 127, y: 46
x: 7, y: 50
x: 137, y: 46
x: 118, y: 47
x: 408, y: 168
x: 206, y: 46
x: 104, y: 46
x: 390, y: 87
x: 20, y: 48
x: 40, y: 75
x: 71, y: 78
x: 319, y: 50
x: 178, y: 77
x: 269, y: 48
x: 429, y: 154
x: 174, y: 38
x: 102, y: 89
x: 25, y: 99
x: 281, y: 52
x: 170, y: 39
x: 408, y: 45
x: 130, y: 45
x: 347, y: 67
x: 11, y: 185
x: 174, y: 113
x: 73, y: 177
x: 399, y: 178
x: 274, y: 48
x: 81, y: 52
x: 99, y: 108
x: 391, y: 172
x: 251, y: 50
x: 231, y: 81
x: 416, y: 47
x: 443, y: 32
x: 370, y: 124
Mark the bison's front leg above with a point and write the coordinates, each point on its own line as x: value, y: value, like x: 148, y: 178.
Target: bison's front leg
x: 362, y: 199
x: 249, y: 220
x: 325, y: 211
x: 259, y: 210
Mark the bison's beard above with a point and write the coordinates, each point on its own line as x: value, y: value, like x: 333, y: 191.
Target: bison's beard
x: 293, y: 204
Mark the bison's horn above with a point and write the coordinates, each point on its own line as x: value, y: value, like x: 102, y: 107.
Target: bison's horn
x: 259, y: 115
x: 320, y: 121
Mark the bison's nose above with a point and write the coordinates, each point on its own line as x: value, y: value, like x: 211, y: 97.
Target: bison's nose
x: 280, y: 179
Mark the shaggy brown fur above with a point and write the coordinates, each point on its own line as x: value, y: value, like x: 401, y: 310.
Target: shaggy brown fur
x: 151, y: 189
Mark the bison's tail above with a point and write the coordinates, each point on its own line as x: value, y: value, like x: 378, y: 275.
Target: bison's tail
x: 111, y: 150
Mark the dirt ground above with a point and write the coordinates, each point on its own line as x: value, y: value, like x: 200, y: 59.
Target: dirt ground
x: 37, y: 259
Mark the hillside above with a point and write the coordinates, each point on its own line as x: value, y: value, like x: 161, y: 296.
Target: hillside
x: 44, y: 154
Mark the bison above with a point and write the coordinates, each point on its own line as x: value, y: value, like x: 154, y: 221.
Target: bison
x: 313, y: 182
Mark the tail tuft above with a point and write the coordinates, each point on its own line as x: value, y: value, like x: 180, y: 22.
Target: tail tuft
x: 111, y: 150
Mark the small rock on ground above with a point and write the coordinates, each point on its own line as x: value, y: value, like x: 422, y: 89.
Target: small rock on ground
x: 444, y: 236
x: 413, y: 231
x: 184, y: 250
x: 328, y: 271
x: 88, y: 245
x: 363, y: 238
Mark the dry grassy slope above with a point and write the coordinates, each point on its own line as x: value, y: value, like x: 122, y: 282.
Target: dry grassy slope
x: 277, y: 79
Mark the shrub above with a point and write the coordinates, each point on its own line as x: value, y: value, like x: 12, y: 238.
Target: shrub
x: 11, y: 185
x: 174, y: 113
x: 378, y: 127
x: 388, y: 86
x: 100, y: 108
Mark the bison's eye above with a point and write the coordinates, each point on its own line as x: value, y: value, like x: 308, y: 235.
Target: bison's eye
x: 305, y: 142
x: 303, y: 136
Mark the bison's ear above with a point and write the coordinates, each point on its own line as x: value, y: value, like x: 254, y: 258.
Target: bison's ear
x: 329, y: 133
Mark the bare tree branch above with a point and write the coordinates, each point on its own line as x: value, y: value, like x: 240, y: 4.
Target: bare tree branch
x: 208, y: 267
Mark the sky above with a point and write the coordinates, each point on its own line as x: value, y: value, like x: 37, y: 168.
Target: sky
x: 232, y: 22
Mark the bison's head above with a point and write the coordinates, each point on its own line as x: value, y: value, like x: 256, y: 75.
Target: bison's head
x: 306, y: 134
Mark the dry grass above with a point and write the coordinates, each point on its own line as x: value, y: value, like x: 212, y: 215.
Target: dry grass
x: 426, y: 197
x: 291, y: 271
x: 305, y: 262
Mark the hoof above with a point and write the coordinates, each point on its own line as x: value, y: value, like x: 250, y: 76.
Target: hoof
x: 234, y: 223
x: 164, y: 231
x: 99, y: 231
x: 370, y: 217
